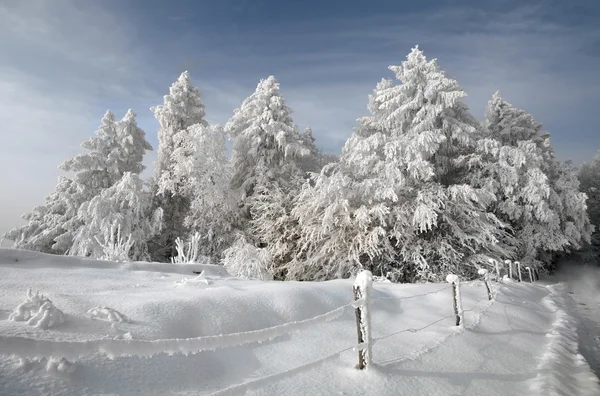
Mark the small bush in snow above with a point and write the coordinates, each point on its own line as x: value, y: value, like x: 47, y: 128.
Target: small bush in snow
x: 245, y: 260
x: 38, y: 311
x: 115, y: 247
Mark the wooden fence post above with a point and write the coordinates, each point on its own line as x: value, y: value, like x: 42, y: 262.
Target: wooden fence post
x: 458, y: 309
x: 486, y: 279
x: 530, y: 274
x: 497, y: 268
x: 362, y: 290
x: 518, y: 263
x: 510, y: 268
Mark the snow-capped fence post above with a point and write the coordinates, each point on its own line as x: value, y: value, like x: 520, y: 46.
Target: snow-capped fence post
x: 362, y: 290
x: 486, y: 279
x: 510, y: 268
x: 518, y: 263
x: 530, y: 274
x: 458, y: 309
x: 497, y: 267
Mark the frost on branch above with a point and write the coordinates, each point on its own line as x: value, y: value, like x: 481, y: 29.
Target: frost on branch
x: 38, y: 311
x: 188, y: 252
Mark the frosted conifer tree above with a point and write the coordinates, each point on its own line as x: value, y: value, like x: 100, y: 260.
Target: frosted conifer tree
x: 393, y: 203
x: 575, y: 222
x: 313, y: 162
x: 536, y: 195
x: 200, y: 158
x: 181, y: 108
x: 589, y: 179
x: 264, y: 167
x: 126, y: 205
x: 47, y: 222
x: 98, y: 168
x: 132, y: 145
x: 117, y: 147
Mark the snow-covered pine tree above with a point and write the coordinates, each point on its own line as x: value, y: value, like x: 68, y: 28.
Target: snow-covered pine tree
x: 181, y: 108
x: 313, y: 161
x: 201, y: 159
x: 116, y: 148
x: 45, y: 223
x: 536, y: 195
x: 589, y: 179
x: 127, y: 205
x: 394, y: 202
x: 264, y: 168
x: 575, y: 222
x: 132, y: 145
x: 510, y: 161
x: 98, y: 168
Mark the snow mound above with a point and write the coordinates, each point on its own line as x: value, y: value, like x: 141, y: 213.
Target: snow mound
x: 197, y: 280
x: 108, y: 314
x: 38, y: 311
x: 562, y: 370
x: 51, y: 364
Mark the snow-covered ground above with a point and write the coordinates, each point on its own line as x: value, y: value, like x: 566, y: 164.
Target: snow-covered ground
x: 583, y: 282
x: 101, y: 328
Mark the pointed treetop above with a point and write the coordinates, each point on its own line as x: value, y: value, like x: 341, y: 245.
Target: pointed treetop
x: 269, y: 84
x: 308, y: 133
x: 129, y: 116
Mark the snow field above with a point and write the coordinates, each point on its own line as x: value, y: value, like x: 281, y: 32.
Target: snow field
x: 222, y: 335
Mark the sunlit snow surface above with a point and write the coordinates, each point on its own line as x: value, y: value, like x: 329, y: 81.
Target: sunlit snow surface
x: 156, y: 329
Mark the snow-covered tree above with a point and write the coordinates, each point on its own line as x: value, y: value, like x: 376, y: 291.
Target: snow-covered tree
x: 132, y: 145
x: 118, y: 147
x: 536, y: 195
x: 589, y: 179
x: 575, y: 222
x: 126, y: 206
x: 264, y: 167
x: 201, y: 158
x: 181, y: 108
x: 98, y: 168
x: 394, y: 202
x: 313, y: 161
x: 47, y: 222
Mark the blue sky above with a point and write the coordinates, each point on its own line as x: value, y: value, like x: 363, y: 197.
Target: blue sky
x: 65, y: 62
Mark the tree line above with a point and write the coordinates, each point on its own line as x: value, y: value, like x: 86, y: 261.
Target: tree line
x: 421, y: 188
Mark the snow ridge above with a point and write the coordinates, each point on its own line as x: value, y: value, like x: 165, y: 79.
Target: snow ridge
x: 562, y: 370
